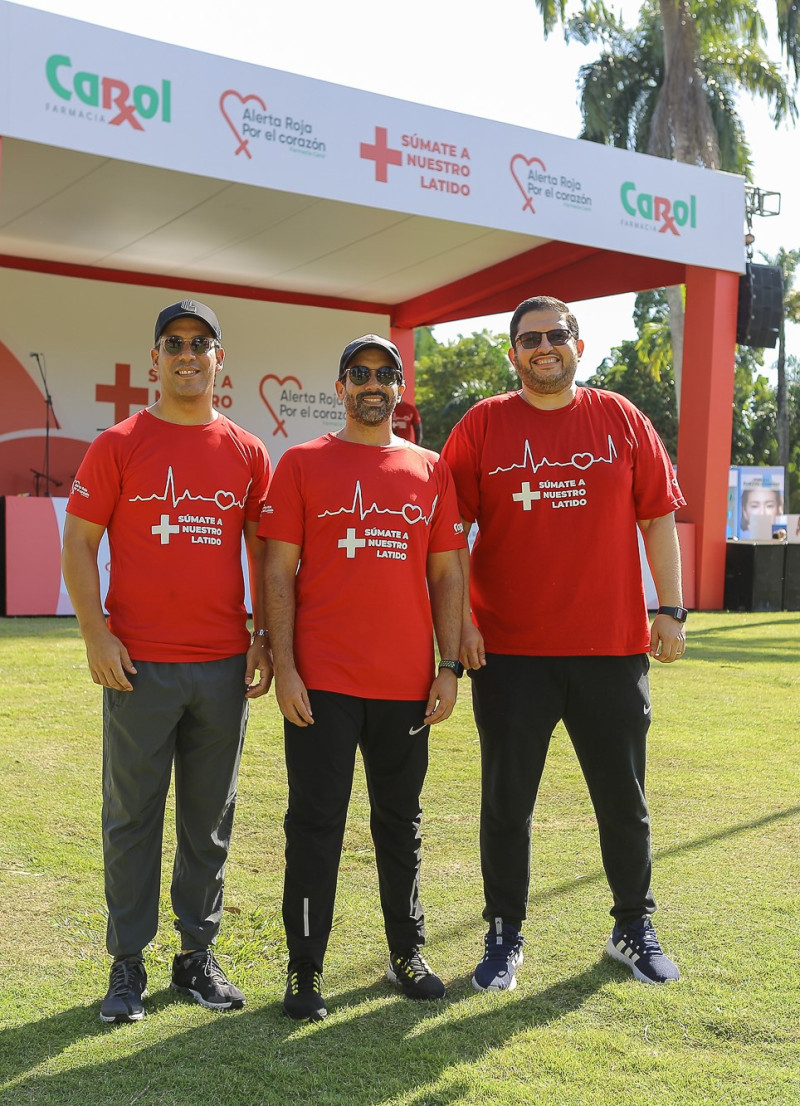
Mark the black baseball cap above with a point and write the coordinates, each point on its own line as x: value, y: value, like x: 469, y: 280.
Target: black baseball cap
x: 187, y: 309
x: 367, y: 341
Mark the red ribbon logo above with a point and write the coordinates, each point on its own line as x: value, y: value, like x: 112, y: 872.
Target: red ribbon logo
x: 243, y: 147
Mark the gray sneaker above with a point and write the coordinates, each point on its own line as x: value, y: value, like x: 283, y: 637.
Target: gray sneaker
x: 126, y: 988
x: 198, y: 975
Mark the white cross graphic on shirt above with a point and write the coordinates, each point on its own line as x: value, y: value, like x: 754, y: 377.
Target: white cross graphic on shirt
x: 165, y: 529
x: 351, y: 543
x: 525, y: 496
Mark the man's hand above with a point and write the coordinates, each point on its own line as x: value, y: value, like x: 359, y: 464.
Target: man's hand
x: 292, y: 696
x: 109, y: 660
x: 667, y: 638
x: 473, y: 652
x: 442, y: 697
x: 259, y: 659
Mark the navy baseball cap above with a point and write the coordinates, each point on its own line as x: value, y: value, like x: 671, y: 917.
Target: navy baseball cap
x: 187, y: 309
x: 368, y: 341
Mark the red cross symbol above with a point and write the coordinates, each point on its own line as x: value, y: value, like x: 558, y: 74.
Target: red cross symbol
x: 382, y: 154
x: 120, y: 393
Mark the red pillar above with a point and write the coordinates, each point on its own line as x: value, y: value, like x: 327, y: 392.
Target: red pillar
x: 706, y: 420
x: 403, y: 338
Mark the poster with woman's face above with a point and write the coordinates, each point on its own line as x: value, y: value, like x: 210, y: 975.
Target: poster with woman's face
x: 761, y: 507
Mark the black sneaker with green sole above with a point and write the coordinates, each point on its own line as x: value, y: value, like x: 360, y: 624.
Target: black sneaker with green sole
x: 411, y: 973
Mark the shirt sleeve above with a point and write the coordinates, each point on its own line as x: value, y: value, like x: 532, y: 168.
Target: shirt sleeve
x: 283, y: 513
x: 447, y: 531
x: 655, y: 484
x: 97, y: 486
x: 460, y: 455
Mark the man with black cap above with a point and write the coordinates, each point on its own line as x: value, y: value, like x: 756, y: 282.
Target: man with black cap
x: 176, y: 486
x: 372, y: 522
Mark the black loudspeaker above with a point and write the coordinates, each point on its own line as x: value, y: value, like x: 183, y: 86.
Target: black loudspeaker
x: 758, y: 320
x: 791, y: 578
x: 754, y: 573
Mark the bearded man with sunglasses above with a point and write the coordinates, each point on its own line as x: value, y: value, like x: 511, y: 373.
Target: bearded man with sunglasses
x: 558, y: 478
x: 176, y: 486
x: 362, y: 564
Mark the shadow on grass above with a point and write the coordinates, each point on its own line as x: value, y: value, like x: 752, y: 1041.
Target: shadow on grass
x: 715, y: 644
x: 390, y: 1047
x: 673, y: 850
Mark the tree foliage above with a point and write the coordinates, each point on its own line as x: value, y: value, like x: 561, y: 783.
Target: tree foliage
x: 451, y: 378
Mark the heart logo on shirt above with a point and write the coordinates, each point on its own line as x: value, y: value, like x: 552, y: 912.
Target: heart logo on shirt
x: 412, y: 513
x: 521, y: 178
x: 243, y: 147
x: 225, y: 500
x: 281, y: 381
x: 583, y: 460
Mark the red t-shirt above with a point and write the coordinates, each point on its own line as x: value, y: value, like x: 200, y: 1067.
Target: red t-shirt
x: 555, y: 568
x: 405, y: 418
x: 366, y: 518
x: 174, y: 499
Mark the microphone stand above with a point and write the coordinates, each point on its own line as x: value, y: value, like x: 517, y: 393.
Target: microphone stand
x: 48, y: 399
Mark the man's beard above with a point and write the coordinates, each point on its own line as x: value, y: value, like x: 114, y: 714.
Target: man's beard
x: 368, y: 414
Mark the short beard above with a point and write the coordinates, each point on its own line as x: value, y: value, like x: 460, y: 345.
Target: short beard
x: 365, y: 414
x: 547, y: 385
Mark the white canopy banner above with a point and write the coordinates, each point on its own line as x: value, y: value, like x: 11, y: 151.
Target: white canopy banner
x: 80, y: 87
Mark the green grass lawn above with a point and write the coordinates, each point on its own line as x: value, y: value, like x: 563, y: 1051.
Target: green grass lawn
x: 724, y: 789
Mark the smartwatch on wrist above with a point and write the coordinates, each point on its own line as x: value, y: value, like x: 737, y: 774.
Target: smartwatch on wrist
x: 455, y: 666
x: 680, y: 614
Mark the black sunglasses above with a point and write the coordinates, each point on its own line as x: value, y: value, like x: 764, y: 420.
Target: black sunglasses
x: 532, y: 339
x: 386, y: 375
x: 174, y: 344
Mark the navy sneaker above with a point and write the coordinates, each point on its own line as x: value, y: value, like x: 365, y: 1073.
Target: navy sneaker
x: 126, y: 989
x: 303, y: 999
x: 636, y: 946
x: 503, y: 955
x: 198, y: 975
x: 410, y: 971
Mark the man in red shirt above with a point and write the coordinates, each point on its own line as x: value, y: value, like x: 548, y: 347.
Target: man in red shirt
x: 558, y: 478
x: 176, y: 486
x: 372, y: 522
x: 406, y: 422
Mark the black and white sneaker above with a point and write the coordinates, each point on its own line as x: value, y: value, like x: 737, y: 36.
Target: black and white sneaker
x: 502, y: 956
x: 126, y: 989
x: 636, y: 946
x: 411, y: 972
x: 198, y: 975
x: 303, y: 999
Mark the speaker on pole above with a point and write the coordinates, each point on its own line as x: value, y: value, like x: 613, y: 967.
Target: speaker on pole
x: 758, y: 321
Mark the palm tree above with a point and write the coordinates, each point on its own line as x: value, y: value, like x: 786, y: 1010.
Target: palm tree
x: 667, y: 87
x: 787, y: 261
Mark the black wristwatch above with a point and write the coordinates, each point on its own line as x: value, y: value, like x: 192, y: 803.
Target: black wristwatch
x: 680, y: 614
x: 455, y: 666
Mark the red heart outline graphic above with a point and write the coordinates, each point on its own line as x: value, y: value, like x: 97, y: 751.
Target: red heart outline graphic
x: 243, y: 142
x: 528, y: 205
x: 280, y: 424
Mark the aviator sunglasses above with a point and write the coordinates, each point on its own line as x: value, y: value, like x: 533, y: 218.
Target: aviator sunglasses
x: 173, y: 344
x: 532, y: 339
x: 385, y: 375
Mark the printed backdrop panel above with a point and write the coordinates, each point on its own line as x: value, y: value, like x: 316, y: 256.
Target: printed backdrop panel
x: 94, y: 340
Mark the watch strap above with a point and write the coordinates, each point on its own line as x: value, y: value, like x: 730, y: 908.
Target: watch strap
x: 455, y: 666
x: 680, y: 614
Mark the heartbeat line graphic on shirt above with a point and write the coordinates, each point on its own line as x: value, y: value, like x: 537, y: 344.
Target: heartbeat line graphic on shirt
x: 410, y: 512
x: 583, y: 460
x: 222, y: 499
